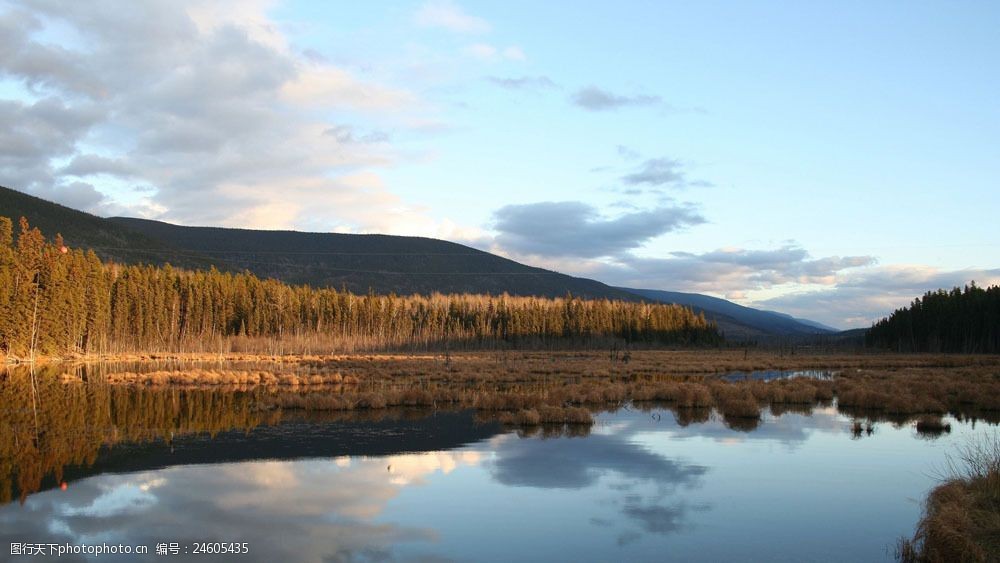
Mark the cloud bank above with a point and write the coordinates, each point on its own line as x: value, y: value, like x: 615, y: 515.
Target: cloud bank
x: 593, y: 98
x: 198, y: 113
x: 576, y: 229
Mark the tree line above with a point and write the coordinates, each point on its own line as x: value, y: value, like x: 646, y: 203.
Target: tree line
x: 961, y: 320
x: 56, y: 300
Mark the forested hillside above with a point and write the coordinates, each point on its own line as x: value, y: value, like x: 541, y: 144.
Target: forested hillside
x: 56, y: 300
x: 961, y: 320
x: 362, y: 263
x: 109, y: 240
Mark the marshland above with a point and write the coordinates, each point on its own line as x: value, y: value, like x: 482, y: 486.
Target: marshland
x: 653, y: 450
x: 461, y: 280
x: 141, y: 393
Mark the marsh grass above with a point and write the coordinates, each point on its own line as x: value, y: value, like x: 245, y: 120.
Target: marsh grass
x: 537, y: 393
x: 961, y: 519
x: 227, y: 377
x: 736, y: 401
x: 889, y: 387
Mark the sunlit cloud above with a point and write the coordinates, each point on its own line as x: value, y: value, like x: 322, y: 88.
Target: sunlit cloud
x: 207, y: 105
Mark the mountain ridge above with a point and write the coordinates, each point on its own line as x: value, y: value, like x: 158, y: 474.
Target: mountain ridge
x: 765, y: 323
x: 362, y: 263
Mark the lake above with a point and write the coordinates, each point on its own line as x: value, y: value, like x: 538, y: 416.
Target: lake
x: 143, y: 468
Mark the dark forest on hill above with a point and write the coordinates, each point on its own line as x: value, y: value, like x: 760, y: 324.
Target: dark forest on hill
x: 961, y: 320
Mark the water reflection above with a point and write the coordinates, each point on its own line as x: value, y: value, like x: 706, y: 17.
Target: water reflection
x: 151, y: 466
x: 313, y: 510
x: 574, y: 464
x: 773, y: 374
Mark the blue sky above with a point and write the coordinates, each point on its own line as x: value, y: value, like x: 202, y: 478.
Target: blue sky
x: 827, y: 159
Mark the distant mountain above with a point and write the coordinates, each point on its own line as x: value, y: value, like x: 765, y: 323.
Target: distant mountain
x: 736, y: 320
x: 822, y: 327
x: 361, y: 263
x: 380, y: 263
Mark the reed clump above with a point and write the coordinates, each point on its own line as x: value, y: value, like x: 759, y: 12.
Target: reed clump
x: 682, y: 394
x: 547, y: 414
x: 736, y: 401
x: 525, y: 417
x: 961, y: 519
x: 415, y: 398
x: 224, y: 377
x: 568, y: 415
x: 506, y: 401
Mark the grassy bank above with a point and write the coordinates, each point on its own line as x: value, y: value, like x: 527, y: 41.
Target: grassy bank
x: 961, y: 520
x: 866, y: 387
x: 60, y: 414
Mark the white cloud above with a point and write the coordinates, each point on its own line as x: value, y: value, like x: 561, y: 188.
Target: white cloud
x: 322, y: 85
x: 206, y: 103
x: 326, y: 510
x: 866, y: 295
x: 514, y: 53
x: 730, y: 270
x: 448, y: 15
x: 840, y: 291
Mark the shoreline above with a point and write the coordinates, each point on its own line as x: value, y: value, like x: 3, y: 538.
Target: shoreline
x: 791, y: 359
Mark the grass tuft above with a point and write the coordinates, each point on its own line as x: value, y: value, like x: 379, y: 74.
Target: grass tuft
x: 961, y: 520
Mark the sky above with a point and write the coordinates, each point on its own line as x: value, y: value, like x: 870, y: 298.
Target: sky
x: 830, y: 160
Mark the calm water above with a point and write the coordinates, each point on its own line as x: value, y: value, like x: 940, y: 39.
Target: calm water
x: 410, y: 486
x: 768, y: 375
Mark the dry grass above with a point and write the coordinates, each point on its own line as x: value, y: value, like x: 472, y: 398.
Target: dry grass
x: 866, y: 386
x: 961, y: 520
x: 736, y: 400
x: 547, y: 393
x: 597, y: 362
x: 682, y: 394
x: 226, y: 377
x: 546, y: 414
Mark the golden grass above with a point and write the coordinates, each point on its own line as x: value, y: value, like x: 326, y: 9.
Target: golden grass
x: 225, y: 377
x: 547, y: 393
x: 669, y: 362
x: 735, y: 400
x: 872, y: 386
x: 546, y: 414
x: 961, y: 520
